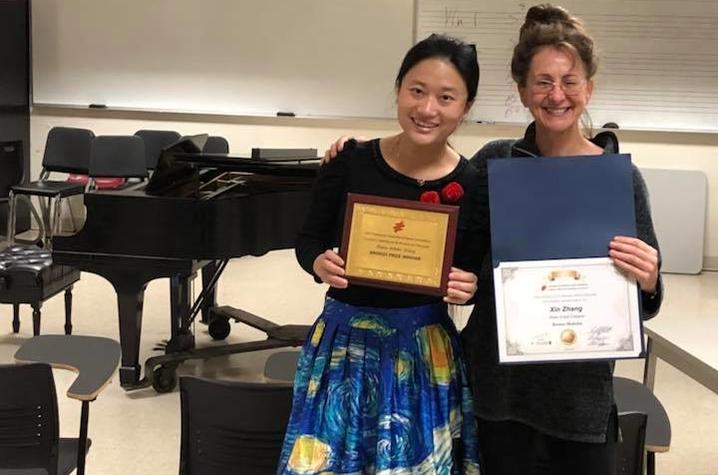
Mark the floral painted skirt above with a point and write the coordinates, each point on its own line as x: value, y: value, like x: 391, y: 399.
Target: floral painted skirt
x: 381, y: 391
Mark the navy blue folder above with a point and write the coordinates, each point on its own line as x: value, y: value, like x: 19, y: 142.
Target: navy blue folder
x: 559, y: 208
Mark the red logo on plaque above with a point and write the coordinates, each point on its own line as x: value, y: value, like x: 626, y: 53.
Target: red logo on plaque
x: 399, y: 226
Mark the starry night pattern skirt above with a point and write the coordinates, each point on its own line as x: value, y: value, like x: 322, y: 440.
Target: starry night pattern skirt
x: 381, y: 391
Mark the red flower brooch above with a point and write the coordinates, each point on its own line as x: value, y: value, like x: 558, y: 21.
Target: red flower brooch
x: 450, y: 194
x: 430, y: 196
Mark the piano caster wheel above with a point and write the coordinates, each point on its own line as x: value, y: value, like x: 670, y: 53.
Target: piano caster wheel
x: 219, y: 328
x: 164, y: 378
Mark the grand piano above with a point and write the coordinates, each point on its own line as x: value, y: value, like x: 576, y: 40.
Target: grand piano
x: 196, y: 212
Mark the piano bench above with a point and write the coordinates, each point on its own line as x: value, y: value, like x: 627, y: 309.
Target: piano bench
x: 28, y: 276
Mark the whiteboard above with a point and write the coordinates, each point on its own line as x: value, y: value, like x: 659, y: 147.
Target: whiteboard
x: 658, y: 65
x: 254, y: 57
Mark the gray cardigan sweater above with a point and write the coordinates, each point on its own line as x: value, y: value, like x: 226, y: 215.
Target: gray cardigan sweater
x: 571, y: 401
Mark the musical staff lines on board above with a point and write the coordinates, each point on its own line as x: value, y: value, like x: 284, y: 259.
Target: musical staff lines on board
x: 658, y: 59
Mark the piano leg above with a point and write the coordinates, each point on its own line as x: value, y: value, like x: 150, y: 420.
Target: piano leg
x: 180, y: 304
x: 130, y: 299
x: 210, y: 301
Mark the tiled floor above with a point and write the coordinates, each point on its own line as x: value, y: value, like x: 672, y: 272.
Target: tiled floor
x: 138, y: 432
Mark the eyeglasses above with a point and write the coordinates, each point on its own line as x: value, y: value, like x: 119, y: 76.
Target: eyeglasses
x: 570, y: 87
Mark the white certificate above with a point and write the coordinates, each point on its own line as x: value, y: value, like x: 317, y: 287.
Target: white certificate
x: 566, y: 310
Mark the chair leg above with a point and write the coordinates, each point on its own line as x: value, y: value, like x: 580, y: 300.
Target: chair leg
x: 53, y: 225
x: 11, y: 219
x: 56, y: 225
x: 36, y: 318
x: 45, y: 212
x: 651, y: 463
x: 82, y: 441
x: 15, y: 317
x: 68, y: 311
x: 72, y: 215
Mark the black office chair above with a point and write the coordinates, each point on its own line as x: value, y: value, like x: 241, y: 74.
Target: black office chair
x: 216, y: 144
x: 232, y: 427
x: 629, y: 456
x: 67, y: 150
x: 29, y: 427
x: 118, y: 156
x: 155, y: 141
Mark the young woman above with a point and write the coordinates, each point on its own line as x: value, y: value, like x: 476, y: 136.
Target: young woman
x: 556, y: 418
x: 381, y: 386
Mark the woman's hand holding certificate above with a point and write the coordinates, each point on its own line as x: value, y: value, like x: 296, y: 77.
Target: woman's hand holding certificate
x: 636, y: 258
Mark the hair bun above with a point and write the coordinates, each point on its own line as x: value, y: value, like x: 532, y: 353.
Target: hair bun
x: 547, y: 14
x: 549, y: 25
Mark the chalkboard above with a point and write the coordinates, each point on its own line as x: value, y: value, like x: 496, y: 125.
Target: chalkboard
x: 658, y: 58
x: 256, y: 57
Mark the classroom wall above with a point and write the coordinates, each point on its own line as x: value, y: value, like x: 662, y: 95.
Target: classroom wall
x: 686, y: 151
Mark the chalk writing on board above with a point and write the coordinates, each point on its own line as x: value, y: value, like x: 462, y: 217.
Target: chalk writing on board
x: 658, y: 59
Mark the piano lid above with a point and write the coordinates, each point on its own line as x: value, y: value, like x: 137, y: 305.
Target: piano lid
x: 294, y: 167
x: 172, y: 178
x: 182, y: 168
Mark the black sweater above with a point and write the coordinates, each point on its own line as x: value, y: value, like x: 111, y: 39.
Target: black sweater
x: 361, y: 168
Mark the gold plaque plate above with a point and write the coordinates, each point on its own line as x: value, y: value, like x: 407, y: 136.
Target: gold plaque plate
x: 398, y: 244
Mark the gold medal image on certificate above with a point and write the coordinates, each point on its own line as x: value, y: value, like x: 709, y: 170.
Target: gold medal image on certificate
x: 398, y: 244
x: 566, y: 309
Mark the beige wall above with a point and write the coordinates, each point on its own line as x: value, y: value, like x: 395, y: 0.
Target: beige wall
x: 687, y: 151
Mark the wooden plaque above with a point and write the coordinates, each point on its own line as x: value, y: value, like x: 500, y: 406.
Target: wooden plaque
x: 398, y: 244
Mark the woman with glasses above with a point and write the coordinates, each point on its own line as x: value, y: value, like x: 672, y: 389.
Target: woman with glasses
x: 557, y: 418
